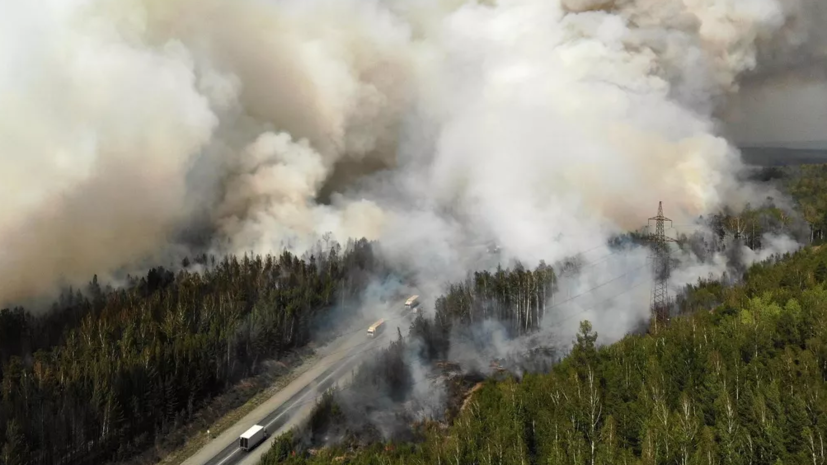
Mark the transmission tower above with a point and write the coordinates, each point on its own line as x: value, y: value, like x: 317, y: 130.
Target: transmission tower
x: 660, y: 269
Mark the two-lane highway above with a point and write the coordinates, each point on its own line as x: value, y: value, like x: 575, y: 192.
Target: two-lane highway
x: 274, y: 421
x: 292, y: 403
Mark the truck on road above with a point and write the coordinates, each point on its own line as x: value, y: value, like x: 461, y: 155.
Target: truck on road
x: 376, y: 328
x: 252, y: 437
x: 412, y: 304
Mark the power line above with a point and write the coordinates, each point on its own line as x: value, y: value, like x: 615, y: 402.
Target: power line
x: 602, y: 259
x: 558, y: 304
x: 590, y: 290
x: 551, y: 307
x: 586, y: 266
x: 351, y: 387
x: 594, y: 306
x: 596, y: 287
x: 559, y: 321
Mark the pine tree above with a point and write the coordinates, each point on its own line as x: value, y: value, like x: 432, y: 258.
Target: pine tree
x: 584, y: 351
x: 14, y: 451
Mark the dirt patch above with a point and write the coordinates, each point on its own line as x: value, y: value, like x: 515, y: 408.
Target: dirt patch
x: 459, y: 388
x: 469, y: 395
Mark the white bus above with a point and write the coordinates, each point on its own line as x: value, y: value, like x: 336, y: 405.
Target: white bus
x: 252, y: 437
x: 376, y: 328
x: 412, y: 303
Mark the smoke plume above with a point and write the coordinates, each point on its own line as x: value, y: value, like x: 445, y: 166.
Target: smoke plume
x: 433, y: 126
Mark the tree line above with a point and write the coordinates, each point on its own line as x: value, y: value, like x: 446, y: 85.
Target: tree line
x: 379, y: 401
x: 743, y: 383
x: 641, y: 400
x: 516, y: 298
x: 806, y: 184
x: 116, y: 369
x: 108, y: 371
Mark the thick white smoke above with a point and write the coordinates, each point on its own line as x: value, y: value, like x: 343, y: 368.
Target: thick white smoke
x: 97, y: 134
x: 434, y: 126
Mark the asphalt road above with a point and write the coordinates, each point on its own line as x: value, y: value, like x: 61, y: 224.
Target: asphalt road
x: 307, y: 395
x: 292, y: 404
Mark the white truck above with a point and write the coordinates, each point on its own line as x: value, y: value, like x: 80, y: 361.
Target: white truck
x: 412, y: 304
x: 252, y: 437
x: 376, y: 328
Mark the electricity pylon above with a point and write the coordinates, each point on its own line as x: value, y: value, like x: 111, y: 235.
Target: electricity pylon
x: 660, y: 269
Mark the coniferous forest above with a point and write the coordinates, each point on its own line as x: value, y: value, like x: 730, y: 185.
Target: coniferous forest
x: 107, y: 372
x: 738, y: 376
x: 743, y: 383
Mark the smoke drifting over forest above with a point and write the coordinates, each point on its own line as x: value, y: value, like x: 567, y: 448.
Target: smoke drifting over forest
x: 432, y: 126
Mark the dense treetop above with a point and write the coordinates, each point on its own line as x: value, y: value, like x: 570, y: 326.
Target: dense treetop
x: 742, y: 383
x: 737, y: 377
x: 109, y: 371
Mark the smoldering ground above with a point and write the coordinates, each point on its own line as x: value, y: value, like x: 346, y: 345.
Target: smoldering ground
x: 428, y: 375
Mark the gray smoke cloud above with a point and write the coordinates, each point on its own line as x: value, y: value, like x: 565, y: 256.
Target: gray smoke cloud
x: 787, y: 111
x: 433, y: 126
x: 782, y: 102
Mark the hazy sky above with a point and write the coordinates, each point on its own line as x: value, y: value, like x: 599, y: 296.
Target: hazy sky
x: 784, y: 100
x: 790, y: 112
x: 543, y: 125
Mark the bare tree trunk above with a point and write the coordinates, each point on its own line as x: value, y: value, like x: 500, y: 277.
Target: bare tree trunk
x: 595, y: 412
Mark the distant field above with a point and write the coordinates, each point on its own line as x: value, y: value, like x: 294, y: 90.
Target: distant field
x: 773, y: 156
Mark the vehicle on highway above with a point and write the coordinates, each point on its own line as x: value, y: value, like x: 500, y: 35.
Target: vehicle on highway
x: 412, y: 304
x: 252, y: 437
x: 376, y: 328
